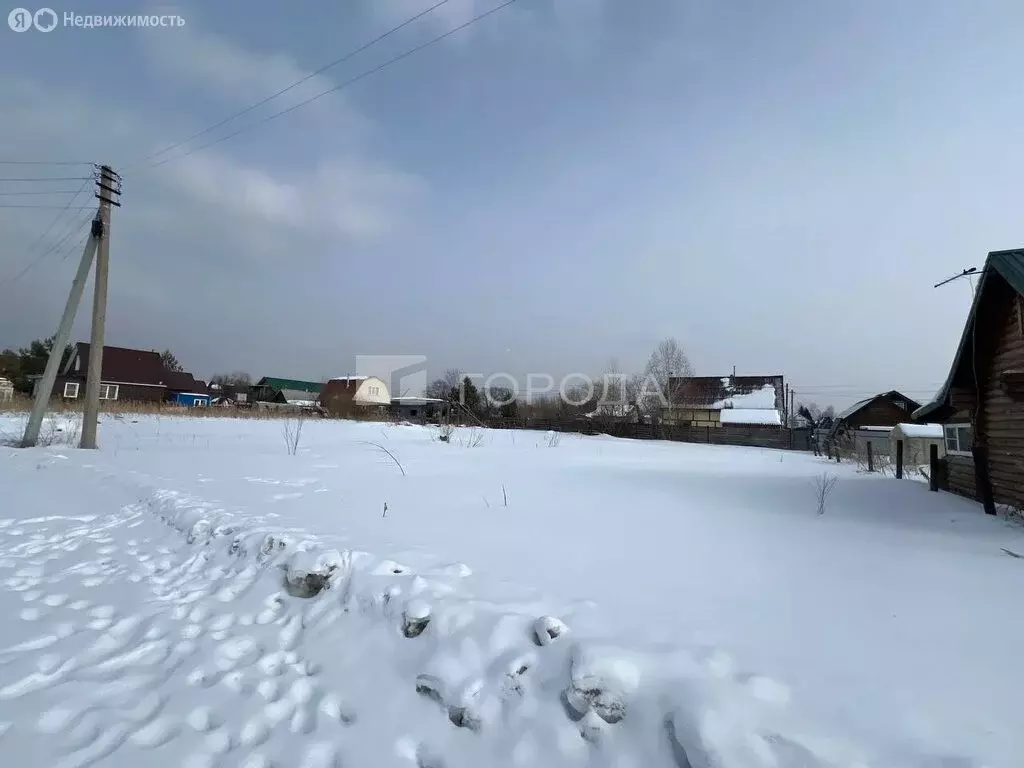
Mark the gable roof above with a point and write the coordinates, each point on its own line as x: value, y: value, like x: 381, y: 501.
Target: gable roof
x: 121, y: 364
x: 861, y: 404
x: 181, y: 381
x: 295, y: 384
x: 1009, y: 265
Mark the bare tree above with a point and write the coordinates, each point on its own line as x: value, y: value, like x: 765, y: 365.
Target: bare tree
x: 233, y: 379
x: 444, y: 387
x: 667, y: 361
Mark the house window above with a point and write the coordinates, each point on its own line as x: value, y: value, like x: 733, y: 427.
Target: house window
x: 71, y: 389
x: 901, y: 404
x: 958, y: 439
x: 108, y: 391
x: 199, y: 402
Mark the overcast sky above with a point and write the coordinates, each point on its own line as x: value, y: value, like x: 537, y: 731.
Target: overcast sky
x: 777, y: 185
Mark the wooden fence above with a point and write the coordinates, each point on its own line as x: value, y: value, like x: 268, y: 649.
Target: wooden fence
x: 757, y: 436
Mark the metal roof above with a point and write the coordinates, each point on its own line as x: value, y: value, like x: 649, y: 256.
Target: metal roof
x: 1010, y: 266
x: 275, y: 383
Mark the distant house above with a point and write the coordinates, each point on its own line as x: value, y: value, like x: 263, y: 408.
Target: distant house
x: 286, y: 391
x: 355, y: 395
x: 981, y: 403
x: 713, y: 401
x: 424, y: 409
x: 130, y: 375
x: 872, y: 419
x: 184, y: 389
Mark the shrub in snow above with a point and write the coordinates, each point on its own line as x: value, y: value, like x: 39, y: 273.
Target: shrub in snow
x: 444, y: 433
x: 415, y: 618
x: 291, y: 430
x: 553, y: 439
x: 823, y: 486
x: 473, y: 438
x: 547, y: 629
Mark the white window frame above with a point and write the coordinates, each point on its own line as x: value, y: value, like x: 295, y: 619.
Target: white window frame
x: 75, y: 387
x: 105, y: 390
x: 954, y: 429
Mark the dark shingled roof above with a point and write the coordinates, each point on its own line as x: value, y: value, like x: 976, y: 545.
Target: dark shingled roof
x: 130, y: 366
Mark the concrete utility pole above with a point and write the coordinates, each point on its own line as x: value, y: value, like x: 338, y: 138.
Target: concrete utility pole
x: 45, y: 386
x: 108, y: 187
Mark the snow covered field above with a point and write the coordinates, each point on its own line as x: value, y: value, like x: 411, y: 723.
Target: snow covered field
x: 150, y: 596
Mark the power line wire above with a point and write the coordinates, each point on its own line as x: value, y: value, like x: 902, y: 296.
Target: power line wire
x: 28, y: 267
x: 42, y: 192
x: 44, y: 162
x: 47, y: 178
x: 346, y: 84
x: 47, y: 207
x: 35, y: 244
x: 300, y: 81
x: 58, y: 217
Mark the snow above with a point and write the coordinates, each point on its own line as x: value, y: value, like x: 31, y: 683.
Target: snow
x: 192, y: 595
x: 924, y: 431
x: 350, y: 378
x: 751, y: 416
x: 763, y: 398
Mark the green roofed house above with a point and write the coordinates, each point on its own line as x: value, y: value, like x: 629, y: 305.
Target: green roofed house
x: 270, y: 389
x: 981, y: 403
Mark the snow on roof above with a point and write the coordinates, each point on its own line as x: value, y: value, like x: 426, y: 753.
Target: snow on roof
x: 926, y: 431
x: 350, y: 378
x: 763, y: 398
x: 876, y: 429
x: 751, y: 416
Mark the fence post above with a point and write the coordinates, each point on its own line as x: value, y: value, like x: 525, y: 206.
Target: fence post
x: 899, y: 459
x: 933, y: 466
x: 871, y: 458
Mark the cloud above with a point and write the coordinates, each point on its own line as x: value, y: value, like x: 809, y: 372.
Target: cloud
x: 237, y: 77
x: 221, y: 243
x: 343, y: 196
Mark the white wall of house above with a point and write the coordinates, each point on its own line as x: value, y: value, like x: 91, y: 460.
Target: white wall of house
x: 372, y: 391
